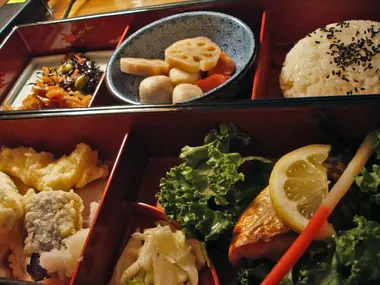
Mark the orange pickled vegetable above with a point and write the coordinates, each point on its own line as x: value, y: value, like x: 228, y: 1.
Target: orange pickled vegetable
x: 225, y: 66
x: 75, y: 73
x: 81, y: 60
x: 212, y: 82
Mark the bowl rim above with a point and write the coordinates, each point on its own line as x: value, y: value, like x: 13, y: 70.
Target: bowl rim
x: 252, y: 55
x: 136, y: 208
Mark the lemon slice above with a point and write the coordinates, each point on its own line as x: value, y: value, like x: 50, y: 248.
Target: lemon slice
x: 298, y: 184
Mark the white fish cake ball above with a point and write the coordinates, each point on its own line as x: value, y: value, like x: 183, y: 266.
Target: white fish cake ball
x: 184, y: 92
x: 179, y: 76
x: 156, y: 90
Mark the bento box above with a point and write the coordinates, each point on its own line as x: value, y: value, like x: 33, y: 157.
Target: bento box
x: 27, y: 53
x: 142, y: 148
x: 275, y: 33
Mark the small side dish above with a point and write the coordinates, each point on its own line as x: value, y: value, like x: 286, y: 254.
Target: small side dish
x: 339, y: 59
x: 191, y: 68
x: 71, y: 85
x: 161, y: 256
x: 43, y: 229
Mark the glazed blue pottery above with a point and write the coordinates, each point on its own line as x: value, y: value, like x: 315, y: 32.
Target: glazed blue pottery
x: 233, y: 36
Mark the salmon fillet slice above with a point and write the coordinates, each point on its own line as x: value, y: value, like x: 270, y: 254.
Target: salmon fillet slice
x: 259, y: 233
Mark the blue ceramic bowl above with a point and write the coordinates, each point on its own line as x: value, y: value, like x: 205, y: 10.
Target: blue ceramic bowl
x: 233, y: 36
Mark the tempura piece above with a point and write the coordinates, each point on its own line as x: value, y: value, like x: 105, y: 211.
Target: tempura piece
x: 64, y: 260
x: 42, y: 172
x: 11, y: 211
x: 17, y: 258
x: 11, y: 207
x: 51, y: 216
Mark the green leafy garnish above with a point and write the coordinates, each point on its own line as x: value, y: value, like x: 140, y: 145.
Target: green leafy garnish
x: 209, y: 190
x: 254, y: 272
x: 350, y: 259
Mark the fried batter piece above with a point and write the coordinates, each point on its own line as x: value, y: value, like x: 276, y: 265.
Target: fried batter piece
x: 11, y: 238
x: 42, y: 172
x: 259, y: 233
x: 50, y: 217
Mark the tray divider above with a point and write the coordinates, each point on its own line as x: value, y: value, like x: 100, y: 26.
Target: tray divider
x: 101, y: 81
x: 263, y: 64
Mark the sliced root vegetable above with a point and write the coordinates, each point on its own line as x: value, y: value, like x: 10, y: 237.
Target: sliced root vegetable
x: 212, y: 82
x: 193, y: 55
x: 144, y: 67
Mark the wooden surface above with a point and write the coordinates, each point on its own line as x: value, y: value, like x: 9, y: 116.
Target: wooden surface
x: 88, y: 7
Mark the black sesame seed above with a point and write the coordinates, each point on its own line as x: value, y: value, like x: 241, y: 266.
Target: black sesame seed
x: 317, y: 42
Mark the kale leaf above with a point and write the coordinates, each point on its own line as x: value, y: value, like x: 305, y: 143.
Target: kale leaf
x: 209, y: 190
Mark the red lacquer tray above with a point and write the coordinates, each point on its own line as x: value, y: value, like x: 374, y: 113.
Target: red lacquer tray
x: 104, y: 32
x: 277, y: 26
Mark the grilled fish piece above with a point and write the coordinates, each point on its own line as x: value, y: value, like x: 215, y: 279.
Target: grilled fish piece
x: 259, y: 233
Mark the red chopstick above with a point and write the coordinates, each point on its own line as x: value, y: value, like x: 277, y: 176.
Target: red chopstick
x: 320, y: 217
x: 298, y: 248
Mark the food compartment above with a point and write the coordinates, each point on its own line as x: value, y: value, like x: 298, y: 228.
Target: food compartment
x: 57, y: 155
x: 29, y: 47
x: 248, y: 12
x: 140, y: 217
x: 286, y: 29
x: 154, y: 145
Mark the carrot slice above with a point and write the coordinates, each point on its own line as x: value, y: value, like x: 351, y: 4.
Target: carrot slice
x: 225, y: 66
x: 211, y: 82
x: 81, y: 60
x: 75, y: 73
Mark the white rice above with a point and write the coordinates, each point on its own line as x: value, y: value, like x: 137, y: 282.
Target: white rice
x: 309, y: 68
